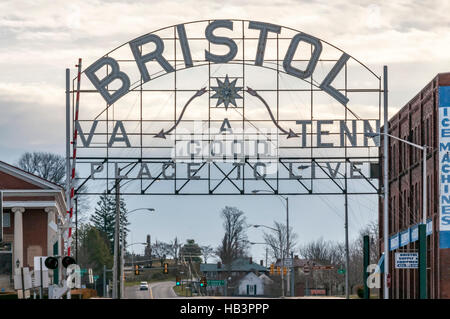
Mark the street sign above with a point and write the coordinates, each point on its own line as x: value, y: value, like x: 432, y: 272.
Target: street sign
x: 406, y: 260
x: 91, y: 277
x: 341, y: 271
x: 216, y: 282
x: 288, y: 262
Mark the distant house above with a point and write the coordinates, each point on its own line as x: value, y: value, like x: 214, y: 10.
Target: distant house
x: 239, y: 267
x: 251, y: 285
x: 233, y: 275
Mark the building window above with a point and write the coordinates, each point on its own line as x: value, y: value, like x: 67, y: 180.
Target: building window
x: 6, y: 220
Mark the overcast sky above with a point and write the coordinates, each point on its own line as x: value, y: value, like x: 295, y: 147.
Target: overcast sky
x: 39, y: 39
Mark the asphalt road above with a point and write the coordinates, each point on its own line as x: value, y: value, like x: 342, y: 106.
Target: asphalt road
x: 156, y: 290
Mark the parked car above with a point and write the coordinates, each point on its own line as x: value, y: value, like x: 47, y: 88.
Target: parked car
x: 143, y: 285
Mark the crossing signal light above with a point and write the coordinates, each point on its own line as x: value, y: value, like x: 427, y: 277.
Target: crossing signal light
x: 136, y: 270
x: 272, y: 266
x: 67, y: 261
x: 51, y: 262
x: 166, y: 268
x: 178, y: 280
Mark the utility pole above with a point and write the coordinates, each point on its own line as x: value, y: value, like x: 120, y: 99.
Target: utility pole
x: 347, y: 253
x: 287, y: 242
x: 122, y: 265
x: 386, y: 184
x: 116, y: 294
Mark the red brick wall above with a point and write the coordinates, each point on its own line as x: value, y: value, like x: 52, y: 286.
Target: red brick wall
x: 34, y: 231
x: 405, y: 187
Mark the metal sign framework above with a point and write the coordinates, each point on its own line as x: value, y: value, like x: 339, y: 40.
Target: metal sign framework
x: 178, y: 94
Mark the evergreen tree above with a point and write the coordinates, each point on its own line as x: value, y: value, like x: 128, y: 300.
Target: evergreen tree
x: 104, y: 217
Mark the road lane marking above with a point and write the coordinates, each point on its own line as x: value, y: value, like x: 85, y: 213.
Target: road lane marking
x: 151, y: 294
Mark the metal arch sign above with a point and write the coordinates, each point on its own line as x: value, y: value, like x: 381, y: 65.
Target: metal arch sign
x: 226, y: 107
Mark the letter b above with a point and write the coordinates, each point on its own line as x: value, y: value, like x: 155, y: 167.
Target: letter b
x: 114, y: 74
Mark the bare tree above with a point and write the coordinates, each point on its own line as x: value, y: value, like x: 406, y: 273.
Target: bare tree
x: 319, y: 251
x: 52, y: 167
x: 234, y: 242
x: 160, y: 250
x: 49, y: 166
x: 207, y: 251
x: 277, y: 241
x: 333, y: 253
x: 174, y: 248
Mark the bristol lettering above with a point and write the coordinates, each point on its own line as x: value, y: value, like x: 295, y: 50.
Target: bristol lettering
x: 157, y: 55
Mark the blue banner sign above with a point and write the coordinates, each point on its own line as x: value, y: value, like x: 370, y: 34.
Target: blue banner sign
x: 394, y: 242
x: 405, y: 238
x: 444, y: 167
x: 414, y: 230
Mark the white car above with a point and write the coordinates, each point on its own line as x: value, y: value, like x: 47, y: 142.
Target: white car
x: 143, y: 285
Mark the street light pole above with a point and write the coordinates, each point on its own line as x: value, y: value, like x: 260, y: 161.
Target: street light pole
x: 347, y: 252
x: 287, y: 239
x: 281, y: 256
x: 287, y: 244
x: 122, y: 255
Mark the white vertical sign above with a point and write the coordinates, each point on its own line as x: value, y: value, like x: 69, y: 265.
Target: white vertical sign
x: 444, y: 167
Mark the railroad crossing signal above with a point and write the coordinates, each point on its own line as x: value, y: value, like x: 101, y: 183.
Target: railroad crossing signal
x: 136, y: 270
x: 272, y: 266
x: 166, y: 268
x: 53, y: 262
x: 178, y: 280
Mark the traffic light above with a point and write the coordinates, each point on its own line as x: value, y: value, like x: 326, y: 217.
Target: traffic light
x: 278, y: 270
x: 203, y: 282
x: 178, y: 280
x: 272, y: 266
x: 166, y: 268
x: 285, y: 271
x: 136, y: 270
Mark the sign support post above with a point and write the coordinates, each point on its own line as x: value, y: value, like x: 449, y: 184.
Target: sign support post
x: 366, y: 254
x: 423, y: 261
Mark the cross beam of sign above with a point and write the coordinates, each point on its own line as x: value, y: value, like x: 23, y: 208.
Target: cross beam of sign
x: 162, y: 133
x: 289, y: 133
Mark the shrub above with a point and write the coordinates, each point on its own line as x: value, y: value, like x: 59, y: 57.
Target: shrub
x: 360, y: 291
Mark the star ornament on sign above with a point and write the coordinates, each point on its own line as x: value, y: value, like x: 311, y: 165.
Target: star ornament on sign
x: 226, y: 92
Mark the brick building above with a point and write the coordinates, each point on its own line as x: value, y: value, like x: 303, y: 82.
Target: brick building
x: 417, y: 122
x: 30, y: 204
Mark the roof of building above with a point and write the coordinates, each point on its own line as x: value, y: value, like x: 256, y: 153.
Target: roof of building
x: 240, y: 264
x: 30, y: 178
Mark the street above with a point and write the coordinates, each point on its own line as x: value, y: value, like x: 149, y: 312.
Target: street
x: 156, y: 290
